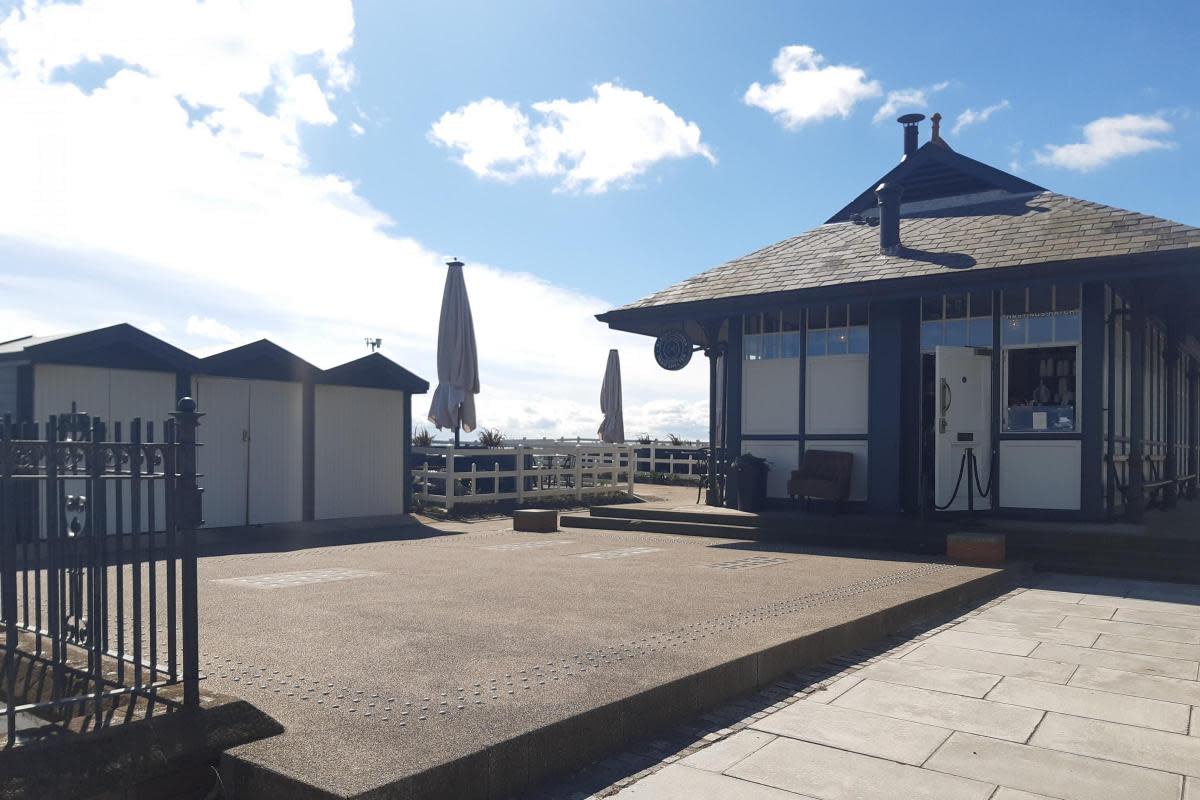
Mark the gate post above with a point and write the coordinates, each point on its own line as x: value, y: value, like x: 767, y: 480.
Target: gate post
x: 188, y: 519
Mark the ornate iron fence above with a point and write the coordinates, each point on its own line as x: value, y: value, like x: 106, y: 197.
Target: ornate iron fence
x: 97, y: 568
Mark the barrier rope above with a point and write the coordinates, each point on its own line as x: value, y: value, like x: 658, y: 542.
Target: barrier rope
x: 973, y: 476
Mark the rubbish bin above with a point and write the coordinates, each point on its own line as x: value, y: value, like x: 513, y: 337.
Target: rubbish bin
x: 750, y: 477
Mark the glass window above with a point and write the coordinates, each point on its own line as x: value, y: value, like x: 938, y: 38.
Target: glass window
x: 816, y: 318
x: 791, y: 319
x: 981, y: 304
x: 1066, y: 296
x: 931, y: 336
x: 859, y: 314
x: 837, y: 316
x: 1040, y: 328
x: 1014, y: 301
x: 956, y: 306
x: 816, y: 343
x: 1041, y: 386
x: 1066, y: 327
x: 860, y: 338
x: 1012, y: 331
x: 750, y: 347
x: 771, y: 322
x: 955, y: 333
x: 980, y: 333
x: 931, y: 308
x: 770, y: 346
x: 753, y: 323
x: 789, y: 345
x: 838, y: 342
x: 1041, y: 299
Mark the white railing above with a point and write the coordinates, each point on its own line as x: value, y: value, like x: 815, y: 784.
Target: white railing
x: 684, y: 460
x: 521, y: 472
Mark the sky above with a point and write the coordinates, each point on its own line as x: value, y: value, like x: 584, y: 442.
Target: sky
x: 220, y: 172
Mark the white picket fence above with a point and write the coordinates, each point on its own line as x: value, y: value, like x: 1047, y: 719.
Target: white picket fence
x: 528, y: 472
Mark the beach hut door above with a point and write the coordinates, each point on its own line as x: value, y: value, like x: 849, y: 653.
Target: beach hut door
x: 963, y: 394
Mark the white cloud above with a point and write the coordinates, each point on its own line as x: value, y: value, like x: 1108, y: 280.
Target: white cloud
x: 805, y: 91
x: 177, y: 187
x: 973, y: 117
x: 607, y: 139
x: 899, y: 100
x: 209, y: 328
x: 1107, y: 139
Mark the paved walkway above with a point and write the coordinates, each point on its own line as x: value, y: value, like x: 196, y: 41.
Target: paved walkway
x: 1077, y: 689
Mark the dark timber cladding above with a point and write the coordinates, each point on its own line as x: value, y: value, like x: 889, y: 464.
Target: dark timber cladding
x: 1088, y: 315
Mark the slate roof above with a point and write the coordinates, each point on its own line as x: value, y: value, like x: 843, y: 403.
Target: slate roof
x: 960, y: 216
x: 1015, y: 231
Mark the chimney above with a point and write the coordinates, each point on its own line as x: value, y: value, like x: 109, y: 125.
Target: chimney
x: 888, y: 195
x: 909, y: 121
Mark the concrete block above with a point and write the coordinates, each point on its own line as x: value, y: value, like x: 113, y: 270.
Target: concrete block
x: 985, y: 549
x: 535, y: 520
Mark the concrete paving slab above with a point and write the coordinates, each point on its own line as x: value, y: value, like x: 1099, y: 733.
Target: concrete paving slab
x: 992, y: 643
x: 1171, y: 690
x: 930, y: 676
x: 1093, y: 704
x: 1150, y: 647
x: 943, y: 710
x: 1053, y: 594
x: 1127, y: 744
x: 1170, y: 619
x: 857, y: 731
x: 1005, y: 793
x: 1085, y: 584
x: 992, y: 663
x: 1163, y: 633
x: 1001, y: 613
x: 722, y: 755
x: 832, y: 774
x: 1042, y: 771
x: 678, y: 782
x: 1195, y: 724
x: 834, y: 690
x: 1042, y: 634
x: 1039, y: 606
x: 1130, y: 662
x: 1191, y: 790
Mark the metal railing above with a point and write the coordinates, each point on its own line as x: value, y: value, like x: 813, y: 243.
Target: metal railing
x: 450, y: 476
x: 97, y: 567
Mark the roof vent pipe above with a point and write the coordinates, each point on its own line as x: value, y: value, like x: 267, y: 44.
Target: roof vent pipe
x: 909, y: 121
x: 888, y: 195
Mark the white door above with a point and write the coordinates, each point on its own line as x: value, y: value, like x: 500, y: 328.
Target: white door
x: 276, y: 459
x: 223, y: 457
x: 360, y: 469
x: 963, y: 377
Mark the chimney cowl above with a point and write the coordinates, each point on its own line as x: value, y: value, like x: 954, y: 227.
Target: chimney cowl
x: 888, y: 196
x: 909, y: 121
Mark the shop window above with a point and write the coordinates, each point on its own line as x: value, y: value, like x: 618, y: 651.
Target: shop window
x: 840, y: 329
x: 771, y: 334
x: 1041, y: 387
x: 1041, y: 314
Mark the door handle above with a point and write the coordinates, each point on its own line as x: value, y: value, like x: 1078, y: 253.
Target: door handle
x: 947, y: 396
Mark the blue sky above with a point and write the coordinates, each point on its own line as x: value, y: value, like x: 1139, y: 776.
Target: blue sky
x: 218, y: 173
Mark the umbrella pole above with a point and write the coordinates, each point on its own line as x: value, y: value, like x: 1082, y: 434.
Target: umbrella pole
x: 457, y: 425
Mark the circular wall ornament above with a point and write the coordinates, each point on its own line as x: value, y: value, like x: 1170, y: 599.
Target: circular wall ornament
x: 673, y: 350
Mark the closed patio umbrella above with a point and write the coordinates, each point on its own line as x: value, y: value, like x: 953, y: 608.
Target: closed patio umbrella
x: 612, y: 429
x: 453, y: 404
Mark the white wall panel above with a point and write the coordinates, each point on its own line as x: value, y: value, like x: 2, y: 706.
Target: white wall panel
x: 137, y: 393
x: 276, y: 452
x: 858, y: 472
x: 223, y: 458
x: 360, y: 436
x: 836, y: 394
x: 771, y: 396
x: 783, y: 457
x: 55, y: 387
x: 1040, y: 474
